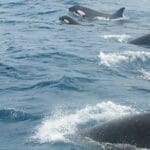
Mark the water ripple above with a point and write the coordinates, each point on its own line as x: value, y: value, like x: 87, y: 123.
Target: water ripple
x: 9, y: 71
x: 64, y: 83
x: 55, y: 55
x: 47, y: 12
x: 13, y: 4
x: 15, y: 115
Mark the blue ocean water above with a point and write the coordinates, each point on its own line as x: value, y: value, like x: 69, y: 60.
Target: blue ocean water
x: 57, y: 79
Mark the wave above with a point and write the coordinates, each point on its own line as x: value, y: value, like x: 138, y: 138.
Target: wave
x: 13, y: 4
x: 145, y: 75
x: 119, y: 37
x: 143, y: 90
x: 47, y: 12
x: 56, y: 55
x: 44, y: 27
x: 116, y: 58
x: 60, y: 125
x: 64, y: 83
x: 10, y: 115
x: 9, y: 71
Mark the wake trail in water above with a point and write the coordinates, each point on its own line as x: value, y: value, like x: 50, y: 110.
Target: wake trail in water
x: 118, y: 37
x: 116, y: 58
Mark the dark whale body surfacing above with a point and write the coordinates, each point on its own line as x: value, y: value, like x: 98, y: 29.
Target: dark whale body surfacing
x: 91, y: 14
x: 134, y: 130
x: 144, y: 40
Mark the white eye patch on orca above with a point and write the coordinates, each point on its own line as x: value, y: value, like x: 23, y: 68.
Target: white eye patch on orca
x: 81, y: 13
x: 66, y: 21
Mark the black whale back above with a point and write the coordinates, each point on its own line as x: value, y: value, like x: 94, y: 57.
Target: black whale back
x: 144, y: 40
x: 134, y: 130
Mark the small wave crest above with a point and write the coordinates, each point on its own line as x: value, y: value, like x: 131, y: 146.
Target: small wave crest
x: 60, y: 125
x: 56, y: 56
x: 145, y: 74
x: 13, y: 4
x: 113, y: 58
x: 10, y: 71
x: 119, y: 37
x: 47, y: 12
x: 15, y: 115
x: 64, y: 83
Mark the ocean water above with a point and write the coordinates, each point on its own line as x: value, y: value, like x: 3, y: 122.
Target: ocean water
x: 57, y: 79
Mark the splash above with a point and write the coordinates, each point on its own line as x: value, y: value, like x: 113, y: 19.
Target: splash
x: 109, y: 59
x: 13, y: 115
x: 59, y: 126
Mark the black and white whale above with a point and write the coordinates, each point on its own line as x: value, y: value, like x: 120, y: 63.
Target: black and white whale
x: 143, y: 40
x: 134, y: 130
x: 68, y: 20
x: 91, y: 14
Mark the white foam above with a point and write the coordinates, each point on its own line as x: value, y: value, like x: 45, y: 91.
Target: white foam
x: 121, y: 18
x: 108, y: 59
x: 113, y: 58
x: 58, y: 127
x: 102, y: 18
x: 119, y: 37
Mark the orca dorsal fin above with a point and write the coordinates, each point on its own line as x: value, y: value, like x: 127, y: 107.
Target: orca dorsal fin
x: 119, y: 13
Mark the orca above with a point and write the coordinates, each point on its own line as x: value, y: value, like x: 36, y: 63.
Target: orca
x: 68, y: 20
x: 91, y: 14
x: 143, y: 40
x: 133, y: 130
